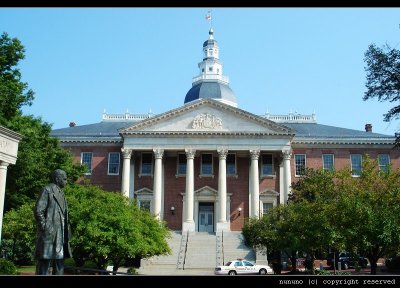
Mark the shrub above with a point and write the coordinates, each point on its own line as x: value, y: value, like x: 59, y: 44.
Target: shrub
x: 132, y: 270
x: 7, y: 267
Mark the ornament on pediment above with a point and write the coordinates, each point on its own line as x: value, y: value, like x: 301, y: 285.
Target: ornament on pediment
x: 206, y: 121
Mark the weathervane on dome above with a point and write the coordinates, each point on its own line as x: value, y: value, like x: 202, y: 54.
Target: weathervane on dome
x: 209, y: 18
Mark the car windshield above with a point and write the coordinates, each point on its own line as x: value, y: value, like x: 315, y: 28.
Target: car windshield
x: 229, y: 263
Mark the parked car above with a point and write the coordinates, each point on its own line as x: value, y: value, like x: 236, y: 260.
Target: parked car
x: 242, y: 266
x: 347, y: 260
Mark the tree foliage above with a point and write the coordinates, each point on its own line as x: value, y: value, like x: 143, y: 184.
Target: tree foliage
x: 367, y: 211
x: 383, y: 79
x: 19, y: 234
x: 109, y: 228
x: 106, y: 228
x: 337, y: 210
x: 38, y: 153
x: 13, y: 93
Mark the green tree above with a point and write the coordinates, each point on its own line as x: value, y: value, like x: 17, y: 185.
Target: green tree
x: 367, y: 211
x: 38, y: 153
x: 269, y: 234
x: 109, y: 228
x: 13, y: 93
x: 383, y: 79
x: 19, y: 234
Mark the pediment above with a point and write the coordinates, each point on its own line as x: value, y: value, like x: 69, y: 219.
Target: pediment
x: 144, y: 191
x: 207, y: 116
x: 269, y: 192
x: 206, y: 191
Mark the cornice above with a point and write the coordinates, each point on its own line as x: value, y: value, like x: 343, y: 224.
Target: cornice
x: 345, y: 141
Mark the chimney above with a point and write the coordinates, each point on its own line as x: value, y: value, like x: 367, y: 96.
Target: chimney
x: 368, y: 127
x: 72, y: 124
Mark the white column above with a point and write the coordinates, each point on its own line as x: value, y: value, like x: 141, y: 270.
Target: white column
x: 126, y: 167
x: 281, y: 186
x: 255, y: 187
x: 3, y: 177
x: 222, y: 223
x: 287, y: 178
x: 189, y: 224
x: 158, y: 154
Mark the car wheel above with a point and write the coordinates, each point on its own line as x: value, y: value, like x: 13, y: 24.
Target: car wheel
x: 263, y: 272
x: 232, y: 272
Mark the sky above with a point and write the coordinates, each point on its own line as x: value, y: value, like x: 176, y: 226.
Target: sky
x: 81, y: 62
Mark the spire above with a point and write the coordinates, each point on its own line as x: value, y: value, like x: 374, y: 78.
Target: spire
x: 211, y: 83
x: 211, y: 67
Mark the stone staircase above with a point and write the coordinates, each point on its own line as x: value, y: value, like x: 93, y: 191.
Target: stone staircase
x: 234, y: 247
x: 201, y: 251
x: 197, y: 253
x: 165, y: 263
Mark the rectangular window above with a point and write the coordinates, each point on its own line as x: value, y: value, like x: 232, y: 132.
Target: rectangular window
x: 147, y: 164
x: 206, y: 164
x: 86, y: 159
x: 300, y: 164
x: 356, y: 164
x: 266, y: 207
x: 144, y: 205
x: 113, y: 163
x: 266, y: 165
x: 383, y: 161
x: 328, y: 162
x: 181, y: 164
x: 231, y: 164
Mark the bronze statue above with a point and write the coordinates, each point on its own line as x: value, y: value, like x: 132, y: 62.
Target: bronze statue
x: 53, y: 233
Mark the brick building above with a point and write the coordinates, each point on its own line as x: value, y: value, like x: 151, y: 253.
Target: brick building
x: 207, y: 165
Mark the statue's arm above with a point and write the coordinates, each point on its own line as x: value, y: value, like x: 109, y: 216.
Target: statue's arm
x: 41, y: 208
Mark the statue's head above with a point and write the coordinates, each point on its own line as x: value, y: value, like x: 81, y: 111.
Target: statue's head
x: 60, y: 178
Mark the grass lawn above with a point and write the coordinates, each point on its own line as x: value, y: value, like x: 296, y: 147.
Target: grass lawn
x: 26, y: 269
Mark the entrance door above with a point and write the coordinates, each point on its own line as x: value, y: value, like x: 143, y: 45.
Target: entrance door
x: 206, y: 217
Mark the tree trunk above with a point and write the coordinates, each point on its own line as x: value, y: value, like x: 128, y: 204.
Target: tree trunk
x: 374, y: 266
x: 312, y: 263
x: 293, y: 259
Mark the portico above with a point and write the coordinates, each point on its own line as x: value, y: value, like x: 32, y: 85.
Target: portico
x: 8, y: 155
x: 203, y: 130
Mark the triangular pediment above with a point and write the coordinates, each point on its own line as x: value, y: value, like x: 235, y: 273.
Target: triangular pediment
x: 269, y: 192
x: 206, y: 191
x: 207, y: 116
x: 144, y: 191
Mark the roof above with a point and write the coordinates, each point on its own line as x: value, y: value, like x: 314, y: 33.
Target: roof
x: 102, y: 131
x: 108, y: 131
x: 314, y: 130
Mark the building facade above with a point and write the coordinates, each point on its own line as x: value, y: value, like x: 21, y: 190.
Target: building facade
x: 207, y: 165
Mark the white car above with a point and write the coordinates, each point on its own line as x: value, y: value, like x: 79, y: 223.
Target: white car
x: 241, y: 266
